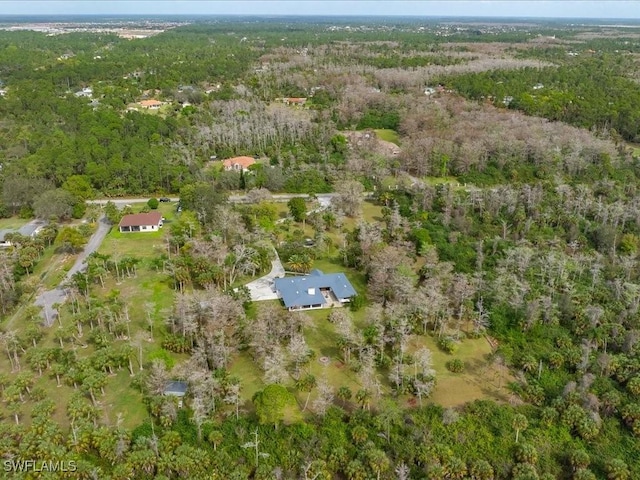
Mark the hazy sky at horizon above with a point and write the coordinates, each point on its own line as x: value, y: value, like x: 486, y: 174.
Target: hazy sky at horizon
x: 466, y: 8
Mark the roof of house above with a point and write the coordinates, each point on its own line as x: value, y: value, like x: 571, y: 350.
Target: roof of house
x: 245, y: 162
x: 175, y: 387
x: 305, y: 290
x: 296, y: 99
x: 150, y: 103
x: 4, y: 233
x: 139, y: 219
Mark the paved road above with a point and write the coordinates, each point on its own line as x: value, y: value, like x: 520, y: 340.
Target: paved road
x: 49, y: 298
x: 323, y: 198
x: 121, y: 202
x: 262, y: 288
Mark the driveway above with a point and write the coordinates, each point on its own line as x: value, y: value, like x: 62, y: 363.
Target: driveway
x: 262, y: 288
x: 49, y: 298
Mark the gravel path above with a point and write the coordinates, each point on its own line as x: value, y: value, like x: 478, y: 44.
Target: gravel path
x: 49, y: 298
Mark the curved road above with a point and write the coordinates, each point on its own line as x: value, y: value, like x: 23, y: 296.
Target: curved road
x: 49, y: 298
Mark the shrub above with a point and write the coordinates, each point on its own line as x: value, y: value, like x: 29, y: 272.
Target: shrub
x: 357, y: 302
x: 162, y: 355
x: 456, y: 365
x: 447, y: 344
x: 176, y: 344
x: 153, y: 203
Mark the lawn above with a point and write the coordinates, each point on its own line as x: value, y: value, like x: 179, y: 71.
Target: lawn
x: 388, y: 135
x: 121, y: 398
x: 479, y: 380
x: 12, y: 223
x: 137, y: 244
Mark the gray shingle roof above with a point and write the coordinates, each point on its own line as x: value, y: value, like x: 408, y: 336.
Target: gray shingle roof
x: 175, y: 388
x: 305, y: 290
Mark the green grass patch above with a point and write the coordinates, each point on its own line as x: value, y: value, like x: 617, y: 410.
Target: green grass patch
x: 12, y: 223
x: 121, y: 398
x: 388, y: 135
x: 479, y: 380
x: 245, y: 368
x: 137, y: 244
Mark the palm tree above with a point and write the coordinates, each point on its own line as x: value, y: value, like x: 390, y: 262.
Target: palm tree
x: 306, y: 384
x: 363, y: 397
x: 379, y: 462
x: 300, y: 263
x: 215, y: 437
x: 344, y: 393
x: 520, y: 423
x: 481, y: 470
x: 617, y: 470
x: 359, y: 434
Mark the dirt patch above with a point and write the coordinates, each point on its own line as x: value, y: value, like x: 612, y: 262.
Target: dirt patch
x: 368, y: 141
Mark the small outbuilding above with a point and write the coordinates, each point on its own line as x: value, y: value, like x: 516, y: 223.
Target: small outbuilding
x: 141, y: 222
x: 175, y: 388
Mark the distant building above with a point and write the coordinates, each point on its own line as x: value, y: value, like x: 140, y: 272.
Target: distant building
x: 299, y: 101
x: 4, y: 243
x: 313, y: 291
x: 150, y: 104
x: 175, y: 388
x: 238, y: 163
x: 85, y: 92
x: 141, y: 222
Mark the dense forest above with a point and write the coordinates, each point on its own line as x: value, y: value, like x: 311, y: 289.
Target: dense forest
x: 479, y: 185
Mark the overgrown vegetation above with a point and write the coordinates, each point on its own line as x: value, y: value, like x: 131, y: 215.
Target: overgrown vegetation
x: 494, y: 252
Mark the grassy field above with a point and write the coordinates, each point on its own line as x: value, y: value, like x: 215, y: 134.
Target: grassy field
x: 388, y: 135
x: 12, y: 223
x: 481, y: 379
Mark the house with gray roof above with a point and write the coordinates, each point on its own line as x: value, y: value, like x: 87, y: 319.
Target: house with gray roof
x: 175, y: 388
x: 316, y: 290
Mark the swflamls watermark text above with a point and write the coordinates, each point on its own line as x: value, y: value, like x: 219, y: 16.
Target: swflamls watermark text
x: 24, y: 466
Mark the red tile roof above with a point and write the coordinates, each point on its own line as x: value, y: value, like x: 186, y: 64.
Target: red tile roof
x: 140, y: 219
x: 245, y: 162
x: 150, y: 103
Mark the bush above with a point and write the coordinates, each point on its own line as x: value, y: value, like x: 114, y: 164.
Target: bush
x: 356, y: 303
x: 153, y: 203
x: 162, y: 355
x: 456, y: 365
x: 176, y: 344
x: 79, y: 210
x: 447, y: 344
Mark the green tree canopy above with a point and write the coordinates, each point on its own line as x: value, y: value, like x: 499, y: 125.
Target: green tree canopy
x: 272, y: 402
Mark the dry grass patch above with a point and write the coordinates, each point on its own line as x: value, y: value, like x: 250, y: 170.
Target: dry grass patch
x: 480, y: 379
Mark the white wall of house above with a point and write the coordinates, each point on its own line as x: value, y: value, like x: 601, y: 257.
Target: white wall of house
x: 143, y: 228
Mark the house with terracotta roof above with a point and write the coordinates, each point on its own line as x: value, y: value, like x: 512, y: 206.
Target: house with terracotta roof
x: 141, y: 222
x: 150, y: 104
x: 238, y: 163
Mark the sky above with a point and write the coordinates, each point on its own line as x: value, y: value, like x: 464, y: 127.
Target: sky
x: 462, y: 8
